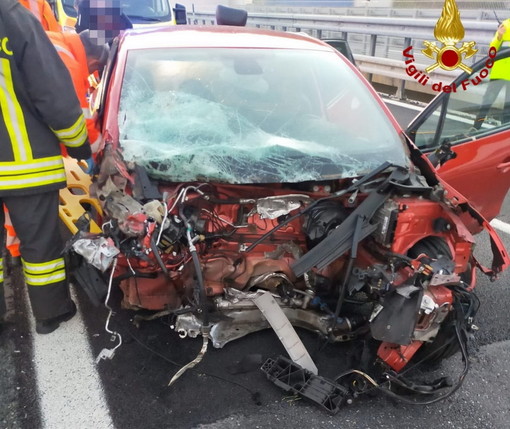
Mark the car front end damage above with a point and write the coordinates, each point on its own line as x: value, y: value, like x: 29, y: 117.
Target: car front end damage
x: 384, y: 258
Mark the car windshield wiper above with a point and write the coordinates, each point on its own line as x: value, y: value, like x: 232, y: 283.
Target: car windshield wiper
x: 145, y: 18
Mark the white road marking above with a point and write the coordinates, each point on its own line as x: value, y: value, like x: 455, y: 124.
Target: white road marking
x: 502, y: 226
x: 70, y: 391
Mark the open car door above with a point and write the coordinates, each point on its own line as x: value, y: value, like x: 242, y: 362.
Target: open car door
x: 478, y: 132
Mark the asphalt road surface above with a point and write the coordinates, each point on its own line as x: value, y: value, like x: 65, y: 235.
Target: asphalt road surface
x: 54, y: 382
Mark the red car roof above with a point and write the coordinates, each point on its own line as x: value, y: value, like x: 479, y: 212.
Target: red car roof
x: 217, y: 36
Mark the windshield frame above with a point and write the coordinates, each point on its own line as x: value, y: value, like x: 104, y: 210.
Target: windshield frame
x: 114, y: 91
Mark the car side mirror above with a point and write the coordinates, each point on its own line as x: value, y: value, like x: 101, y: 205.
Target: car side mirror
x: 230, y: 16
x: 180, y: 14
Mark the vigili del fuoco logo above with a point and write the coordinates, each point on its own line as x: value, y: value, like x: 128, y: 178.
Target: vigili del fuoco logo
x: 449, y: 31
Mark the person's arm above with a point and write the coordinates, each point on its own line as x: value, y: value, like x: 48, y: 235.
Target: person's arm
x: 47, y: 82
x: 498, y: 37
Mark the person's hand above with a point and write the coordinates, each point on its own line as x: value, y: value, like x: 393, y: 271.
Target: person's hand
x: 90, y: 166
x: 501, y: 31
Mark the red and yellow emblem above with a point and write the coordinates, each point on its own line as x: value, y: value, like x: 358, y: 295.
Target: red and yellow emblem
x: 449, y: 31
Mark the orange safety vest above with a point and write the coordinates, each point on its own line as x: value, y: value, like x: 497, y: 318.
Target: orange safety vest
x: 72, y: 53
x: 42, y: 11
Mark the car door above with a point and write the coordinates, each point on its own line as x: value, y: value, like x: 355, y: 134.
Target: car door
x: 478, y: 130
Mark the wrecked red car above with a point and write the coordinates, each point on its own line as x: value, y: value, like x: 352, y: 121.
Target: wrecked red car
x: 253, y: 179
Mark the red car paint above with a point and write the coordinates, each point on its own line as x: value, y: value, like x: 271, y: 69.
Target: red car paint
x: 446, y: 216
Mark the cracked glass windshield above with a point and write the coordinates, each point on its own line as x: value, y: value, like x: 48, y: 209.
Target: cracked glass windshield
x: 250, y: 116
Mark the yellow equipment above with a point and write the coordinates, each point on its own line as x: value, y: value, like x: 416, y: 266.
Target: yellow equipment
x: 75, y: 196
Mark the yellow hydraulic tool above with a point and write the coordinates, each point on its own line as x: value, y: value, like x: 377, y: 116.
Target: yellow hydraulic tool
x: 75, y: 196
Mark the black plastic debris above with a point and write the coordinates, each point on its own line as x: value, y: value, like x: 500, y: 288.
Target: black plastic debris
x: 292, y: 378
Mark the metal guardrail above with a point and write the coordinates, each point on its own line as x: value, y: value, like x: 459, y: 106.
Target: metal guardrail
x: 392, y: 73
x: 421, y: 29
x: 480, y: 13
x: 373, y: 40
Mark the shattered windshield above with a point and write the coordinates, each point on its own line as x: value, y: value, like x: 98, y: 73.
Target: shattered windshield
x: 250, y: 116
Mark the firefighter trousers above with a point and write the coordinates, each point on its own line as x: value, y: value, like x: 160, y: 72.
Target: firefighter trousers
x: 35, y: 219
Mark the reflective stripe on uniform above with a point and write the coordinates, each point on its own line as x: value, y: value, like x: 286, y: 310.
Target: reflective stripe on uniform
x: 32, y: 166
x: 36, y: 172
x: 32, y: 180
x: 45, y: 273
x: 86, y: 113
x: 43, y: 267
x: 75, y: 135
x: 96, y: 145
x: 64, y: 51
x: 45, y: 279
x: 1, y: 270
x: 13, y: 115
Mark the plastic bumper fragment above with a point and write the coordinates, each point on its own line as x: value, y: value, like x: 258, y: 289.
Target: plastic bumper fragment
x: 292, y: 378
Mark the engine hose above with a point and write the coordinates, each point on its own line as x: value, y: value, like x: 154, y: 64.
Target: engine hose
x: 341, y: 292
x: 201, y: 289
x: 154, y: 248
x: 215, y: 200
x: 198, y: 270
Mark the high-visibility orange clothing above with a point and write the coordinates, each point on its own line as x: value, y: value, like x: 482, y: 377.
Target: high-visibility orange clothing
x: 71, y: 51
x: 11, y: 239
x: 42, y: 11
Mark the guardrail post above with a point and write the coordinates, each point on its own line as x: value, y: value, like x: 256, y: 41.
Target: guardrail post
x: 401, y: 90
x: 373, y: 44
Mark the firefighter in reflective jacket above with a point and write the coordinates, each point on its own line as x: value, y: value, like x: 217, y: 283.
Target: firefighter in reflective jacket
x: 81, y: 57
x: 499, y: 78
x: 38, y: 110
x: 42, y: 11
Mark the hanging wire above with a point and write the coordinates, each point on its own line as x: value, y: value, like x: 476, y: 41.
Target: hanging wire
x: 109, y: 353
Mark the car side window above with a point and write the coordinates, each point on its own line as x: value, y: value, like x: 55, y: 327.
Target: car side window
x: 478, y: 108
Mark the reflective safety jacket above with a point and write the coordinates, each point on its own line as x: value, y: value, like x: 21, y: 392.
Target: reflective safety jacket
x: 501, y: 68
x: 71, y: 51
x: 38, y: 107
x: 42, y: 11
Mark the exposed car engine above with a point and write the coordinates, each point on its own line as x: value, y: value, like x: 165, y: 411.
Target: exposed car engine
x: 384, y: 257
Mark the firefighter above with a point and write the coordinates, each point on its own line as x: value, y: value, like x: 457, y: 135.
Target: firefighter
x: 42, y: 11
x: 82, y: 58
x: 38, y: 110
x: 499, y: 77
